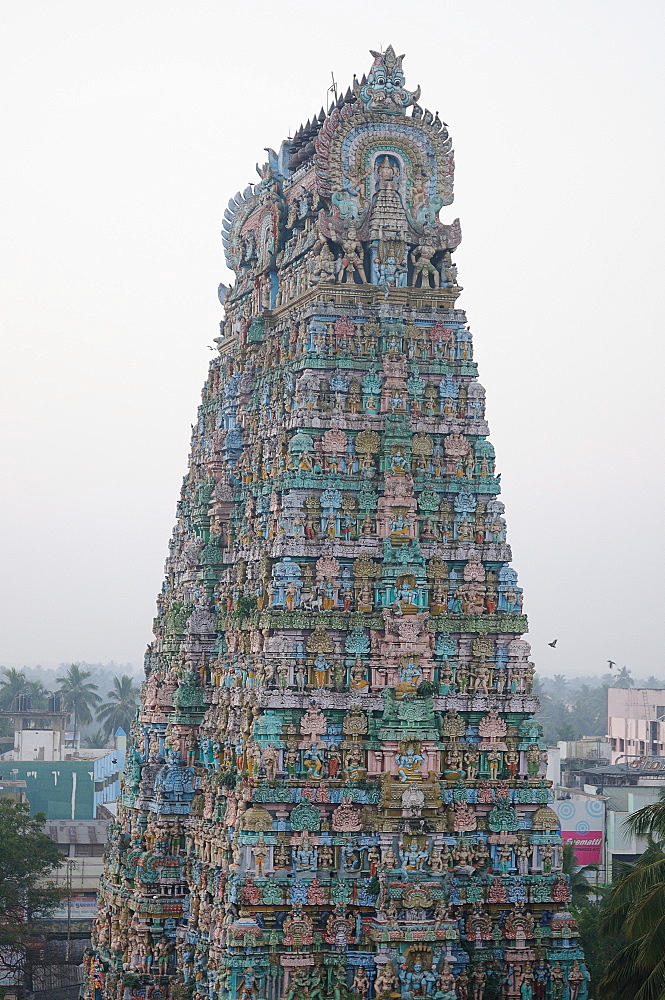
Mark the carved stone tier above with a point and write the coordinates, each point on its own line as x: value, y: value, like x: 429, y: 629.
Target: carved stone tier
x: 334, y: 785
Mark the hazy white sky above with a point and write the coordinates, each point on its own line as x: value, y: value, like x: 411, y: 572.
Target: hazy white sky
x: 126, y: 127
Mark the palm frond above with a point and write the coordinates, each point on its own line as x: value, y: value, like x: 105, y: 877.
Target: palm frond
x: 649, y: 820
x: 623, y: 976
x: 647, y: 913
x: 641, y: 876
x: 653, y: 987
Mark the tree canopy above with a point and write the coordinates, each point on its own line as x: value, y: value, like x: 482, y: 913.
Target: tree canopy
x: 15, y: 683
x: 120, y: 707
x: 79, y: 693
x: 93, y: 693
x: 28, y: 859
x: 635, y: 908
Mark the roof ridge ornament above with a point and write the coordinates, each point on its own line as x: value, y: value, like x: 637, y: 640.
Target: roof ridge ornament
x: 384, y: 90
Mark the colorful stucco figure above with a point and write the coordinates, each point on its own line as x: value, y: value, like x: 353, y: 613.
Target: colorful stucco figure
x: 336, y: 786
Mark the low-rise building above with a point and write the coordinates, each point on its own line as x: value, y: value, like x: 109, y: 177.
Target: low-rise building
x: 82, y: 844
x: 39, y: 734
x: 636, y: 723
x: 586, y: 748
x: 77, y: 790
x: 608, y: 793
x: 15, y: 790
x: 604, y: 781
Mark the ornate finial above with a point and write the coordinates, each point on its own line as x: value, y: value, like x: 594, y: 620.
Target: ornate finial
x: 384, y: 89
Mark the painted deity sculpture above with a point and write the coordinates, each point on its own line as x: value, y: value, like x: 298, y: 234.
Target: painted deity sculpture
x: 335, y: 782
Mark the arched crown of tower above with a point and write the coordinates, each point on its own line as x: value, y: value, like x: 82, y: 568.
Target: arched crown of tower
x: 365, y: 171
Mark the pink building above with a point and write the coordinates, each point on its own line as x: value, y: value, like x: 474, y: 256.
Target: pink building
x: 636, y: 723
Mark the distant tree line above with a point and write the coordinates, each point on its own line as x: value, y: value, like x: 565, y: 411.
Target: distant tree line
x: 572, y: 707
x: 108, y: 709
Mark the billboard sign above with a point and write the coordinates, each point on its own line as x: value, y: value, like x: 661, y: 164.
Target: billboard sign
x: 582, y: 823
x: 81, y: 907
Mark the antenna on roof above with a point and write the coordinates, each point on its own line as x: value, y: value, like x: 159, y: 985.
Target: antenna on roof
x: 332, y: 89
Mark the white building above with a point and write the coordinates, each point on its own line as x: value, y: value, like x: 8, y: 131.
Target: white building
x: 636, y: 723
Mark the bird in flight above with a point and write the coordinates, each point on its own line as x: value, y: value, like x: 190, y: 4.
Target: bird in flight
x: 553, y: 644
x: 611, y: 663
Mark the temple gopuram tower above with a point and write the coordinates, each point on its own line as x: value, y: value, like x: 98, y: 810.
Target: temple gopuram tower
x: 335, y: 786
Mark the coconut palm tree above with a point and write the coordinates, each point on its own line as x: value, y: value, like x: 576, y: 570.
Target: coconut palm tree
x: 121, y: 703
x: 624, y: 679
x: 79, y: 695
x: 560, y: 682
x: 96, y: 740
x: 635, y: 908
x: 599, y: 946
x: 38, y: 693
x: 580, y: 887
x: 649, y: 821
x: 12, y: 685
